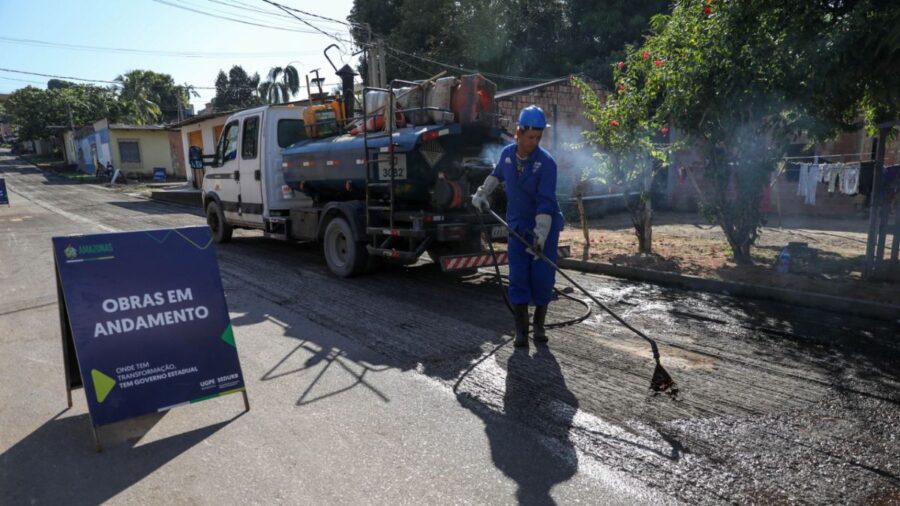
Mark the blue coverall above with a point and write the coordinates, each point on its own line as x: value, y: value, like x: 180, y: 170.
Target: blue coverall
x: 534, y: 192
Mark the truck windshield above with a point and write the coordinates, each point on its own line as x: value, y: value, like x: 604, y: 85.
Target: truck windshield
x: 290, y: 131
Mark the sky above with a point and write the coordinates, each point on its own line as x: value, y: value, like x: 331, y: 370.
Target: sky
x: 162, y: 35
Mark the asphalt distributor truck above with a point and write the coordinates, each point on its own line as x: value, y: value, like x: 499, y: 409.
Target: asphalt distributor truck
x: 391, y: 183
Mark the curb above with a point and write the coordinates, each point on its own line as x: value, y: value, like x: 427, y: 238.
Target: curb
x: 794, y: 297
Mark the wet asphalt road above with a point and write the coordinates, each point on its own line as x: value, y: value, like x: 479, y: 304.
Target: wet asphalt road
x: 777, y: 403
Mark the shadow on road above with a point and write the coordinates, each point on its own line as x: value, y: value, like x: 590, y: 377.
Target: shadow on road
x: 536, y: 404
x: 54, y: 464
x: 155, y: 208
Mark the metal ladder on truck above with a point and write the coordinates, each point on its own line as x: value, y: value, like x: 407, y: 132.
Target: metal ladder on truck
x: 383, y: 225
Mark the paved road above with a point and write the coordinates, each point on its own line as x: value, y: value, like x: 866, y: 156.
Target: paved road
x: 402, y: 387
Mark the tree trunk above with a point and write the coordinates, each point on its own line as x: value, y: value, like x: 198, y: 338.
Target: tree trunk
x: 740, y: 242
x: 645, y: 228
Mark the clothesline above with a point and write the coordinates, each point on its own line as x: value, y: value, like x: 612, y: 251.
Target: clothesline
x: 828, y: 156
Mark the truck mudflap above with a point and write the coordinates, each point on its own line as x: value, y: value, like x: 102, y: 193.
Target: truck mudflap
x: 484, y: 259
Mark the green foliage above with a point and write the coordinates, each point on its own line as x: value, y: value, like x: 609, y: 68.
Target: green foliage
x: 34, y: 110
x: 149, y: 97
x: 281, y: 84
x: 627, y: 135
x: 510, y: 37
x: 600, y: 31
x: 236, y: 90
x: 741, y: 79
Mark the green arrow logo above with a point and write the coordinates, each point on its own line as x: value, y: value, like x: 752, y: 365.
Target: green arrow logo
x: 228, y: 335
x: 103, y: 384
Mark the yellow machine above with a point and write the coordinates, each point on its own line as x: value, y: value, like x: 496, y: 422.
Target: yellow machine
x: 324, y: 119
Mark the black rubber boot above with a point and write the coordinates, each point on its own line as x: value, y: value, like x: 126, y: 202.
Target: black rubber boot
x: 540, y: 335
x: 520, y: 311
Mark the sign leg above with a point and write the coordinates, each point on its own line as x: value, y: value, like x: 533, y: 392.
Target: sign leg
x: 246, y: 401
x: 97, y: 438
x: 69, y: 394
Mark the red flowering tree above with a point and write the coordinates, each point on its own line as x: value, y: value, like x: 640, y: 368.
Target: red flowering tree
x: 739, y: 80
x: 626, y: 135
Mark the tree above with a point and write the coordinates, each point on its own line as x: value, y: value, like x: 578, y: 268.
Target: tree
x: 627, y: 133
x: 281, y: 84
x: 55, y: 84
x: 499, y: 36
x: 508, y: 37
x: 149, y: 96
x: 34, y: 110
x: 236, y: 90
x: 600, y: 31
x: 741, y: 79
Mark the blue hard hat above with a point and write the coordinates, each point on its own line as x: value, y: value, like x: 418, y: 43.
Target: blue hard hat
x: 532, y: 117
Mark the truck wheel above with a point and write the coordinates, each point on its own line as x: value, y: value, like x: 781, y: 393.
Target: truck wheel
x: 219, y: 228
x: 344, y: 255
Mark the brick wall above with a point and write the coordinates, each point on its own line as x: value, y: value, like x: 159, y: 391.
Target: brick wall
x: 561, y: 103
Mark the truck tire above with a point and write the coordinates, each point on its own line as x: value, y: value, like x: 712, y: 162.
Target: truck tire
x: 219, y: 228
x: 345, y: 256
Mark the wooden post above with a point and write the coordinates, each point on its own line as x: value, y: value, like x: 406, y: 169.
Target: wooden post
x: 871, y: 260
x: 579, y: 194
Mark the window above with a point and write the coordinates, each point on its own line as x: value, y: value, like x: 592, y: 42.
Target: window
x: 249, y: 140
x: 290, y: 131
x: 129, y: 152
x: 228, y: 144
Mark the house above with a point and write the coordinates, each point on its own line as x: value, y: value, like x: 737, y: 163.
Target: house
x: 562, y: 104
x: 134, y: 149
x: 201, y: 131
x: 685, y: 178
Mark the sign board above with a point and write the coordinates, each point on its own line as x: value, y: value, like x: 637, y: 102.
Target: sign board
x: 4, y: 197
x: 195, y: 157
x: 159, y: 174
x: 145, y: 315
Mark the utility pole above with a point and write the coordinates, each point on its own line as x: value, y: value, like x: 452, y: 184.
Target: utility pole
x: 377, y: 70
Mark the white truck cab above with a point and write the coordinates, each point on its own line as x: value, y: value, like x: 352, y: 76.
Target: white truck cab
x: 244, y: 187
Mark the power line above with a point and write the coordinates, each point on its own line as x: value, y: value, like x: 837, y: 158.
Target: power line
x: 121, y: 83
x: 471, y: 71
x: 245, y: 6
x: 285, y: 9
x: 228, y: 18
x: 186, y: 54
x: 21, y: 80
x: 346, y: 23
x: 61, y: 77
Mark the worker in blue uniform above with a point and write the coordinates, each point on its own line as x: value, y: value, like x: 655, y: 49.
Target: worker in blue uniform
x: 533, y: 212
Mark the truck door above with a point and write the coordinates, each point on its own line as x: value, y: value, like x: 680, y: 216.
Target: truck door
x: 223, y: 179
x: 250, y: 174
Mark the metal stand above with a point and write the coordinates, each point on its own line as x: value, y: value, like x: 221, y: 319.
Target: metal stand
x: 246, y: 401
x: 95, y: 429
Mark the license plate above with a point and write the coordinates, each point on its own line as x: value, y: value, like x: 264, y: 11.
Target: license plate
x: 498, y: 232
x: 384, y: 168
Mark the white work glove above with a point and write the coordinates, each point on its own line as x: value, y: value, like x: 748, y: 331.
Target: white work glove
x: 542, y: 223
x: 480, y: 199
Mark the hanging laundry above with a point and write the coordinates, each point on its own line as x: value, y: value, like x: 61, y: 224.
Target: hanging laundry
x: 850, y: 179
x: 833, y: 172
x: 866, y: 177
x: 801, y: 183
x: 812, y: 181
x: 891, y: 182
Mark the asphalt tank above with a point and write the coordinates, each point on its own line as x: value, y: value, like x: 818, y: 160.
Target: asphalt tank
x: 435, y: 166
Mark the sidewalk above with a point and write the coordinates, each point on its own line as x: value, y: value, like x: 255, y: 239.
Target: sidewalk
x: 690, y: 253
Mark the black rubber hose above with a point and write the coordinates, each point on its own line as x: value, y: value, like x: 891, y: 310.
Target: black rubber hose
x: 500, y: 277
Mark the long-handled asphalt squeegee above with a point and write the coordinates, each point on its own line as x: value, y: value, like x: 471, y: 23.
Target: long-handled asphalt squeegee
x: 661, y: 381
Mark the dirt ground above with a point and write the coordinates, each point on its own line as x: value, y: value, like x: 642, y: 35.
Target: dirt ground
x: 685, y: 243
